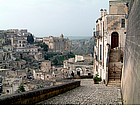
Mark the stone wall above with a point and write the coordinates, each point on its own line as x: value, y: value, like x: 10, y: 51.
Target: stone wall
x: 116, y: 7
x: 131, y: 69
x: 33, y: 97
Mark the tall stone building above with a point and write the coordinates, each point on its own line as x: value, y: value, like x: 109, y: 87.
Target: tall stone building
x: 58, y: 44
x: 131, y: 68
x: 110, y: 38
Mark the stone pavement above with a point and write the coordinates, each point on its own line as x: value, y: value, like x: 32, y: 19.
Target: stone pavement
x: 88, y: 94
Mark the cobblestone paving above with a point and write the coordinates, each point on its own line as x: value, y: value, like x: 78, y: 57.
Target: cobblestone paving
x: 87, y: 94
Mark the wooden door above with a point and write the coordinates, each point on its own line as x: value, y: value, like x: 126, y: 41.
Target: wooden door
x: 114, y: 40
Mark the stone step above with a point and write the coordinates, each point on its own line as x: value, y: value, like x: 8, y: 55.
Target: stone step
x: 114, y: 51
x: 114, y: 83
x: 114, y: 75
x: 116, y: 63
x: 112, y: 78
x: 112, y: 72
x: 114, y: 59
x: 118, y: 84
x: 114, y: 56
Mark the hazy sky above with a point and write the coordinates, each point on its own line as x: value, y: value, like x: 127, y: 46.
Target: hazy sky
x: 51, y: 17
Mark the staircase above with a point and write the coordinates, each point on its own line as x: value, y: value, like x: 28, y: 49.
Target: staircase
x: 115, y: 68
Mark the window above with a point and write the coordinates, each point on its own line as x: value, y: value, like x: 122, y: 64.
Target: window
x: 100, y: 52
x: 123, y: 23
x: 96, y: 68
x: 96, y: 57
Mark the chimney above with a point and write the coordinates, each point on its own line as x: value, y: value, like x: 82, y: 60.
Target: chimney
x: 105, y: 12
x: 102, y: 12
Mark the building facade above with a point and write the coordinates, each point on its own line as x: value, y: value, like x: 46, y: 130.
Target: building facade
x: 79, y: 66
x: 57, y: 44
x: 110, y: 38
x: 14, y: 37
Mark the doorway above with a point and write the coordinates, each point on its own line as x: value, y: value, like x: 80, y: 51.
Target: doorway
x: 114, y: 40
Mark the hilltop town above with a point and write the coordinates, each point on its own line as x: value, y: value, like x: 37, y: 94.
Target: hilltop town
x: 28, y: 62
x: 110, y: 58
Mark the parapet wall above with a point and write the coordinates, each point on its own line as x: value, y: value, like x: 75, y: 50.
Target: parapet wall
x: 33, y: 97
x: 131, y: 69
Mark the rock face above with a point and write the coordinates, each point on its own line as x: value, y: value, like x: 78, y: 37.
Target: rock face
x: 131, y: 69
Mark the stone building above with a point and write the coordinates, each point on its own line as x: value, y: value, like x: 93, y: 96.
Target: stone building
x: 5, y: 55
x: 110, y: 38
x: 57, y: 44
x: 11, y: 85
x: 46, y: 66
x: 28, y: 49
x: 80, y: 66
x: 39, y: 56
x: 14, y: 37
x: 40, y: 75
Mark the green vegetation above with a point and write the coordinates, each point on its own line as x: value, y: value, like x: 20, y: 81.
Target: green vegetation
x: 44, y: 46
x: 58, y: 58
x: 40, y: 86
x: 30, y: 39
x: 50, y: 55
x: 21, y: 88
x: 27, y: 59
x: 97, y: 79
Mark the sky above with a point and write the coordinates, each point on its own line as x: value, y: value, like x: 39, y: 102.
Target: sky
x: 51, y: 17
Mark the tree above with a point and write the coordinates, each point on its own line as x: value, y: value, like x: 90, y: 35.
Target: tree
x: 45, y: 47
x: 30, y: 39
x: 21, y: 88
x: 70, y: 55
x: 55, y: 61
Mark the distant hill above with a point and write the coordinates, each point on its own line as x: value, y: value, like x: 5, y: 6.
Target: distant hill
x: 79, y: 37
x: 82, y: 46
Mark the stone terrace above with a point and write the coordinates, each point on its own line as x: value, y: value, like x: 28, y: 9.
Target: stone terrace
x: 88, y: 94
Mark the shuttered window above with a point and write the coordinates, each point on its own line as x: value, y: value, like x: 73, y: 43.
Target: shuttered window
x: 123, y: 23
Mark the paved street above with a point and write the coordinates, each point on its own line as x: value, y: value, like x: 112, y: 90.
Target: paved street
x: 87, y: 94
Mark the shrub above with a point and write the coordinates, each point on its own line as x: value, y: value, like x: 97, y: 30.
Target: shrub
x: 97, y: 79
